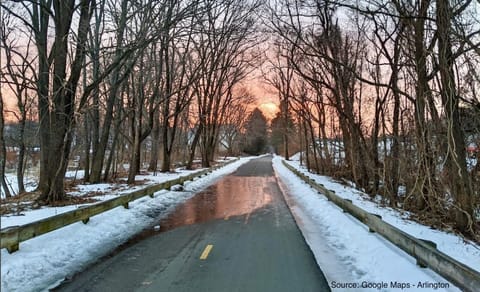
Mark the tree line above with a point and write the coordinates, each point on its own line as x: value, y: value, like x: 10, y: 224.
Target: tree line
x: 384, y: 94
x: 103, y: 78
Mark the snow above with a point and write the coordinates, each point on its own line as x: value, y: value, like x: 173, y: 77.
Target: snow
x: 348, y: 253
x: 103, y: 191
x: 471, y: 163
x: 12, y: 183
x: 343, y: 247
x: 44, y: 261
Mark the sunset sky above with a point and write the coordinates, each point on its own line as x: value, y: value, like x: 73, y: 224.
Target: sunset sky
x: 266, y: 99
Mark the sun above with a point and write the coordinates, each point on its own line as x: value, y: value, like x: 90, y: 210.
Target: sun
x: 269, y: 109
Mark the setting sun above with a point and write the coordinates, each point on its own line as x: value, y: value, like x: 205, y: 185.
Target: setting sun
x: 269, y: 109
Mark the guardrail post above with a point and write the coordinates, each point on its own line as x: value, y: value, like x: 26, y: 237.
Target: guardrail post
x: 344, y: 209
x: 420, y: 263
x: 13, y: 248
x: 370, y: 228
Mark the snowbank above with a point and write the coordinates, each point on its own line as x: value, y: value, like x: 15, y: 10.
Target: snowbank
x: 347, y: 252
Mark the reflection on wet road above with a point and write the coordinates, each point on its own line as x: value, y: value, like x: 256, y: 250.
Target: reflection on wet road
x: 232, y: 196
x: 237, y: 235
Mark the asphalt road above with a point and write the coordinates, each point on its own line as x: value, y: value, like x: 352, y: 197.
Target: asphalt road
x: 237, y: 235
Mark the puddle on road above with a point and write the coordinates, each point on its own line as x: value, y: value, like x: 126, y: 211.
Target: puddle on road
x: 232, y: 196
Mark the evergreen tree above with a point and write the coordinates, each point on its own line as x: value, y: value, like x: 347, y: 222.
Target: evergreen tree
x: 256, y: 133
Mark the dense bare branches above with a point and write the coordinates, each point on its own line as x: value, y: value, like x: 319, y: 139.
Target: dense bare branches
x: 113, y: 78
x: 394, y: 75
x: 224, y: 45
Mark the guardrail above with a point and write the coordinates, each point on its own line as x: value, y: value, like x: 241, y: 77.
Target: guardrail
x: 423, y: 251
x: 11, y: 237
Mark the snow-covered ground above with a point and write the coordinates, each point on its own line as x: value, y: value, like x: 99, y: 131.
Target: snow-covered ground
x: 344, y: 249
x: 12, y: 183
x: 44, y: 261
x: 350, y: 255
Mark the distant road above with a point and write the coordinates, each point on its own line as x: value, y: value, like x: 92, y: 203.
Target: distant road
x: 237, y: 235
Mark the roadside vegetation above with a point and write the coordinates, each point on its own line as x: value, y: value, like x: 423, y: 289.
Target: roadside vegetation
x: 385, y: 96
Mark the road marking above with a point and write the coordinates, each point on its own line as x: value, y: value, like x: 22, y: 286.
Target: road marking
x: 206, y: 252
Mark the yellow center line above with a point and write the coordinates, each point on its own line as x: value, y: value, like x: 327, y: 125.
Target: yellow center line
x: 206, y: 252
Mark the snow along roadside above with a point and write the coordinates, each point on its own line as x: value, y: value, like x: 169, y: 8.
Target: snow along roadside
x: 351, y: 257
x: 43, y: 262
x: 451, y: 244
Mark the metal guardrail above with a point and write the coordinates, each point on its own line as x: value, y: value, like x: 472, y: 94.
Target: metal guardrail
x: 11, y: 237
x: 423, y: 251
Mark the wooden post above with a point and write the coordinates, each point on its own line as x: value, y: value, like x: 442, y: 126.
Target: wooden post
x: 420, y: 263
x: 13, y: 248
x: 370, y: 228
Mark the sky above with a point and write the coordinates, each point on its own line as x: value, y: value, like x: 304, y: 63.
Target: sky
x: 266, y: 101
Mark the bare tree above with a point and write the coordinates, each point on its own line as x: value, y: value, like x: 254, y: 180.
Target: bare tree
x: 407, y: 61
x: 19, y: 75
x: 3, y: 151
x: 56, y: 97
x: 280, y: 76
x: 224, y: 45
x: 461, y: 185
x: 235, y: 119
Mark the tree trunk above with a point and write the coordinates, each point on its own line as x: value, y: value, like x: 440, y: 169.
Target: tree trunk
x: 41, y: 18
x: 425, y: 186
x: 395, y: 154
x: 117, y: 130
x: 134, y: 167
x: 3, y: 152
x: 155, y: 144
x: 21, y: 156
x: 286, y: 132
x: 314, y: 145
x: 86, y: 159
x: 395, y: 163
x: 99, y: 153
x: 307, y: 144
x: 56, y: 132
x: 193, y: 147
x: 166, y: 160
x: 461, y: 188
x: 111, y: 154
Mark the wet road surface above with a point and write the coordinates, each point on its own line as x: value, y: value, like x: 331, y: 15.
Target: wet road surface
x: 237, y: 235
